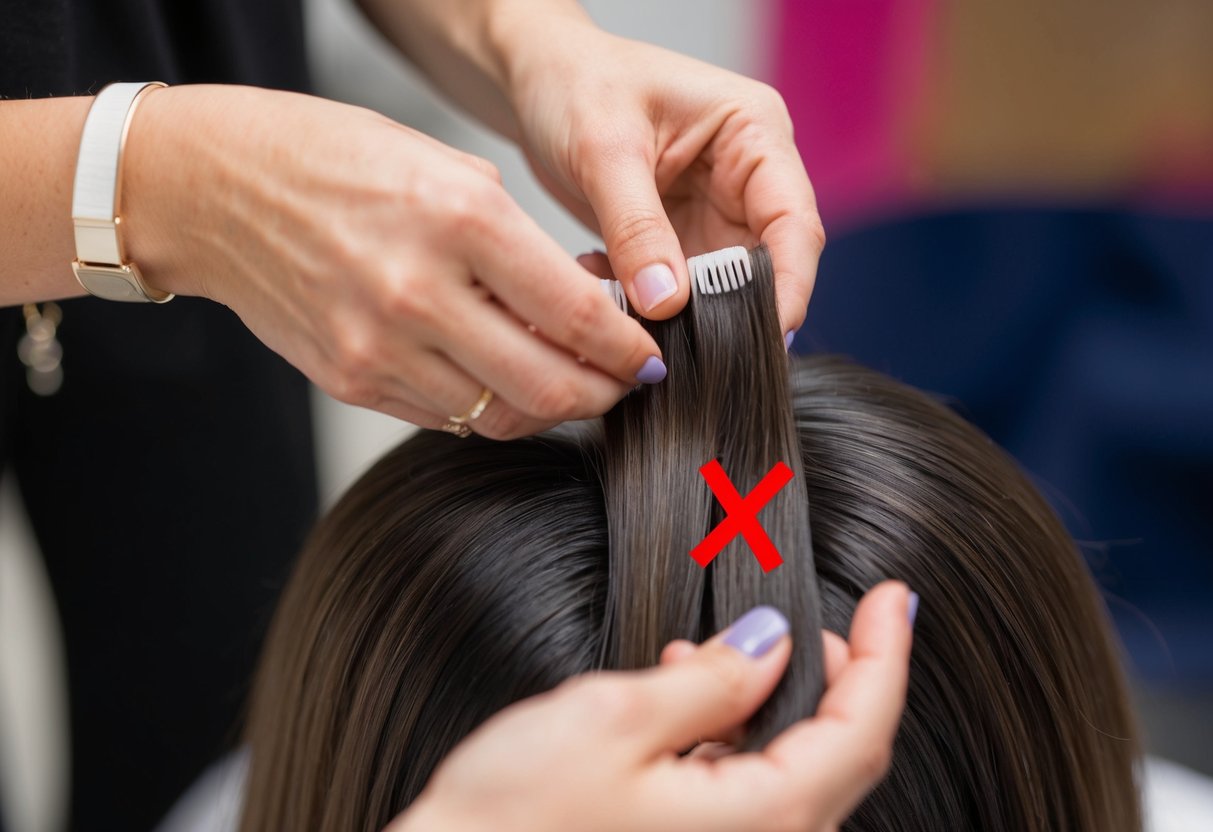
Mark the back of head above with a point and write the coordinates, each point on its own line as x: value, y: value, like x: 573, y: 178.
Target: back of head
x: 458, y: 576
x: 453, y: 579
x: 1017, y: 716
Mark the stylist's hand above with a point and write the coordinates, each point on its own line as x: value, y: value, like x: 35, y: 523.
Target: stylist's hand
x: 663, y: 154
x: 393, y: 270
x: 602, y: 752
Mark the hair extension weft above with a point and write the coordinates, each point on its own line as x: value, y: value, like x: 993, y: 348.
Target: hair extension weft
x: 726, y: 397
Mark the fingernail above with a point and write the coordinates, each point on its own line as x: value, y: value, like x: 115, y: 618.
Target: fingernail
x: 788, y: 339
x: 654, y: 284
x: 757, y: 631
x: 652, y: 371
x: 912, y: 607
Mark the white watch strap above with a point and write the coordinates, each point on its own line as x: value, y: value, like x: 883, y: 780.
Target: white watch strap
x: 96, y: 193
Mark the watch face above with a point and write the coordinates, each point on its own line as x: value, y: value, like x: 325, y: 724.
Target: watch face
x: 119, y: 283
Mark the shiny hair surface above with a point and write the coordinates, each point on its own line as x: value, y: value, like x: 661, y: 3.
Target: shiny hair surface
x: 459, y: 576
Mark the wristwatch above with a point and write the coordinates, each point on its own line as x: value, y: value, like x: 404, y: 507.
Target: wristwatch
x: 100, y: 265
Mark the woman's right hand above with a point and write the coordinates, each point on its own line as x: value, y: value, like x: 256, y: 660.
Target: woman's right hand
x: 601, y: 753
x: 394, y: 271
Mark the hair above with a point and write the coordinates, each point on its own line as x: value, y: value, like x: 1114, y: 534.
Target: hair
x: 459, y: 576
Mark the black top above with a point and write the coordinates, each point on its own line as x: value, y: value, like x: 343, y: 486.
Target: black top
x: 75, y: 47
x: 165, y: 551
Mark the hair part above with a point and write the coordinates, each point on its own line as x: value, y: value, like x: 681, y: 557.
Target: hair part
x: 459, y: 576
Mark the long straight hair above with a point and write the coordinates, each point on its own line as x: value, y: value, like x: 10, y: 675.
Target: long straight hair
x: 726, y: 398
x: 458, y: 576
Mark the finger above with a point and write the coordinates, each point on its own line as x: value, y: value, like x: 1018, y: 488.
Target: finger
x: 718, y: 687
x: 837, y: 655
x: 427, y: 392
x: 645, y: 253
x: 574, y: 203
x: 782, y: 210
x: 539, y: 283
x: 676, y: 651
x: 534, y: 376
x: 450, y: 392
x: 843, y: 751
x: 680, y: 650
x: 373, y: 392
x: 597, y: 264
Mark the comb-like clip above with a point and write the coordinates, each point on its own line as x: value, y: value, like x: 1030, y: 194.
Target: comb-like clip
x: 720, y: 271
x: 714, y: 273
x: 614, y: 291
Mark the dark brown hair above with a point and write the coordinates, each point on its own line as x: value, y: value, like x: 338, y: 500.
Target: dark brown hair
x: 457, y: 577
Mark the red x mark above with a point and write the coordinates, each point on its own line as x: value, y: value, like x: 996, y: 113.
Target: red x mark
x: 741, y: 515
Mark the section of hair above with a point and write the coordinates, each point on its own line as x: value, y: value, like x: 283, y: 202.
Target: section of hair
x: 1017, y: 716
x: 459, y: 576
x: 725, y: 398
x: 454, y: 578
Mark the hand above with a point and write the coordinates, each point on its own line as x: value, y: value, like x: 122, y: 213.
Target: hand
x: 601, y: 753
x: 394, y: 271
x: 665, y: 156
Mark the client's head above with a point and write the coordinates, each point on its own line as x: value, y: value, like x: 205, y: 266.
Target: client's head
x: 459, y: 576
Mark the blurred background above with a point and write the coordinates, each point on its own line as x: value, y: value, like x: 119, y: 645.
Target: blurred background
x: 1019, y: 199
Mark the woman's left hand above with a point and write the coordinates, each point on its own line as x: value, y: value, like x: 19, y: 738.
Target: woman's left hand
x: 664, y: 155
x: 601, y: 752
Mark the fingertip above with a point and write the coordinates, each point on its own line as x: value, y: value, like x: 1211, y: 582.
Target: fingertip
x: 676, y: 651
x: 890, y: 593
x: 887, y: 590
x: 652, y: 371
x: 883, y: 618
x: 794, y: 259
x: 646, y: 364
x: 658, y: 291
x: 757, y: 632
x: 762, y: 669
x: 792, y: 302
x: 643, y: 247
x: 711, y: 691
x: 762, y: 637
x: 837, y: 654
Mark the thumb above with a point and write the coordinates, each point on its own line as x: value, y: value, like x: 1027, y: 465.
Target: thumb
x: 644, y: 251
x: 720, y: 686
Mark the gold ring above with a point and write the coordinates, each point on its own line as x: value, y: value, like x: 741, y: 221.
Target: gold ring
x: 458, y: 424
x: 474, y: 413
x: 462, y: 431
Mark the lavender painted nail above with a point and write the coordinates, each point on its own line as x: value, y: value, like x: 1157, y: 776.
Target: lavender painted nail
x: 912, y: 609
x: 652, y: 371
x: 757, y: 631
